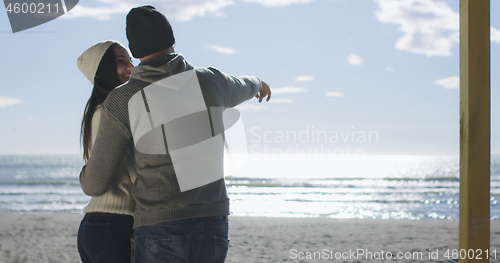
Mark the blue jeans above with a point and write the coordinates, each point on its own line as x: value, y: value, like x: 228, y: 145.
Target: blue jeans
x: 105, y: 238
x: 197, y: 240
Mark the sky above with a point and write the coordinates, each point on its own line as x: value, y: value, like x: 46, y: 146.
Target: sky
x: 347, y: 76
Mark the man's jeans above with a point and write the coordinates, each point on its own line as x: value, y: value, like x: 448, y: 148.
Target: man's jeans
x: 197, y: 240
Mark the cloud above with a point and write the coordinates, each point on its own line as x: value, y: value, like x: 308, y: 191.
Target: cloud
x: 178, y: 10
x: 99, y: 13
x: 280, y: 100
x: 288, y: 89
x: 449, y: 83
x: 250, y: 107
x: 277, y: 2
x: 429, y: 28
x: 388, y: 68
x: 495, y: 35
x: 29, y: 118
x: 6, y: 101
x: 219, y: 49
x: 304, y: 78
x: 355, y: 60
x: 333, y: 94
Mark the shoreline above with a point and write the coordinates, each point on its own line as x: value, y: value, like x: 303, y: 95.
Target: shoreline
x: 51, y: 237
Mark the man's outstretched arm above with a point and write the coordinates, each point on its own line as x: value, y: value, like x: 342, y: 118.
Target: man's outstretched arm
x: 240, y: 89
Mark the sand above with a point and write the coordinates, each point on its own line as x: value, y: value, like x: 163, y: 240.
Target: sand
x: 40, y: 237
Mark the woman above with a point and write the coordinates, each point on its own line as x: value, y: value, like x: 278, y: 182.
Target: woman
x: 105, y: 231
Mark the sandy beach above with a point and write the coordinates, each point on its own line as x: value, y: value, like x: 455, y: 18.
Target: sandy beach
x: 44, y: 237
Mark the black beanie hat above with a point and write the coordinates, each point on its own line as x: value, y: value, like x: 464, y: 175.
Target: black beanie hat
x: 148, y: 31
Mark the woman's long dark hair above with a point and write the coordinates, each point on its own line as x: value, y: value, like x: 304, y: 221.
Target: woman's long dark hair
x: 106, y: 79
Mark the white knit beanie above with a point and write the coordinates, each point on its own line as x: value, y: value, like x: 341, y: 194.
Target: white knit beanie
x: 89, y: 60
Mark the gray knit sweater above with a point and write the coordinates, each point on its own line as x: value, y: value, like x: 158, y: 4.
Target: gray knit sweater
x: 148, y: 114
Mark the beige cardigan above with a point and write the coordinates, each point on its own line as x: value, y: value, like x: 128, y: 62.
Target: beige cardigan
x: 118, y: 199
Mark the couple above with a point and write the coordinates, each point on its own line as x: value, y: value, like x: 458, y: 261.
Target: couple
x: 155, y: 196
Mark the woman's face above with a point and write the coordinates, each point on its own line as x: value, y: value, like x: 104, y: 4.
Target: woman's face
x: 123, y: 63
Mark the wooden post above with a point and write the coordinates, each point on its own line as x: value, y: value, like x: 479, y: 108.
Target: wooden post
x: 474, y: 221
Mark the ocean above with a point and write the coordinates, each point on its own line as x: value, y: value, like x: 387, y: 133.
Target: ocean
x: 335, y: 186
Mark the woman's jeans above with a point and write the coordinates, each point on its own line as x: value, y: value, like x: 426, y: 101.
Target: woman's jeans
x: 197, y: 240
x: 105, y: 237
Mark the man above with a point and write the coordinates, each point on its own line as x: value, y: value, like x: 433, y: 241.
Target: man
x: 171, y: 114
